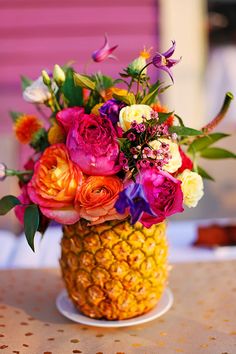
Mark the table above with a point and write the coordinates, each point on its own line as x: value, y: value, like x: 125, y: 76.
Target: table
x: 202, y: 319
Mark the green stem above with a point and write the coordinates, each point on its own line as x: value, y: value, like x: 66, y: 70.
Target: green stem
x: 139, y: 76
x: 10, y: 172
x: 55, y: 102
x: 130, y: 84
x: 210, y: 126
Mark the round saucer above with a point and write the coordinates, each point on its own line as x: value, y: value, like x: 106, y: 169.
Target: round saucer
x: 67, y: 309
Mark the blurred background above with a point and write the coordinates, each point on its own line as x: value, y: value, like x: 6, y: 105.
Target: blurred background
x: 34, y: 35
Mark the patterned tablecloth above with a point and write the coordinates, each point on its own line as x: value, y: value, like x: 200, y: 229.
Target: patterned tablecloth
x: 202, y: 319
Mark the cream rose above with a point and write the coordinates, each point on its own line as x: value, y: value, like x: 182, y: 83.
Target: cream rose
x: 175, y: 161
x: 134, y: 112
x: 192, y: 187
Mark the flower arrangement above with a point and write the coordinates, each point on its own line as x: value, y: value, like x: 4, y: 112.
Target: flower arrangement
x: 107, y: 149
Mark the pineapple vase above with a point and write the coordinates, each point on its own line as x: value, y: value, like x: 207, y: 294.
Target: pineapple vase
x: 114, y: 270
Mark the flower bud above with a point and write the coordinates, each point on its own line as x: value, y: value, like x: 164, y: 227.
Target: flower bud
x: 59, y: 75
x: 46, y: 78
x: 2, y: 171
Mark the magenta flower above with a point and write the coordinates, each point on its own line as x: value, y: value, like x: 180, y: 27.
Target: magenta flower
x: 163, y: 62
x: 68, y: 116
x: 104, y: 52
x: 92, y: 144
x: 163, y: 193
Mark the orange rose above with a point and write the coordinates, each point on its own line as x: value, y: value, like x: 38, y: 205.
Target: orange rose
x: 54, y: 185
x: 96, y: 198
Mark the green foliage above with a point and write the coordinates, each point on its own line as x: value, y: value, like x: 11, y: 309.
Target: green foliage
x: 102, y: 82
x: 163, y: 117
x: 201, y: 143
x: 217, y: 153
x: 15, y: 115
x: 40, y: 140
x: 203, y: 173
x: 129, y: 99
x: 72, y: 93
x: 184, y: 131
x: 180, y: 120
x: 84, y: 81
x: 31, y: 223
x: 148, y: 99
x: 7, y: 203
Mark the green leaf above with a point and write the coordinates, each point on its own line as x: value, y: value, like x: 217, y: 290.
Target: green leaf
x: 15, y: 115
x: 121, y: 142
x: 205, y: 141
x: 25, y: 82
x: 163, y: 117
x: 102, y: 82
x: 181, y: 122
x: 31, y: 223
x: 217, y: 153
x: 84, y: 81
x: 72, y: 93
x: 203, y: 173
x: 7, y: 203
x: 184, y: 131
x: 163, y: 89
x: 148, y: 99
x: 129, y: 99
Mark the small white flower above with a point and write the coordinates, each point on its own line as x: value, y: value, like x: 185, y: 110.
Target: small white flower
x: 38, y: 92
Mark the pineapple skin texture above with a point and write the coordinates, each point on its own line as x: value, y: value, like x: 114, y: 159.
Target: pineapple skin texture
x: 114, y: 270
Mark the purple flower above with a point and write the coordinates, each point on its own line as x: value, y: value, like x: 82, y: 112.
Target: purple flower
x: 111, y: 110
x: 162, y: 61
x: 134, y: 198
x: 104, y: 52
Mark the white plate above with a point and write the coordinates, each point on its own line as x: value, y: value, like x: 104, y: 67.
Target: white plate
x: 67, y: 309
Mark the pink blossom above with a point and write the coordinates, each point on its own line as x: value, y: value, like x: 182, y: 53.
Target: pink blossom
x: 92, y: 145
x: 163, y: 193
x: 104, y: 52
x: 68, y: 116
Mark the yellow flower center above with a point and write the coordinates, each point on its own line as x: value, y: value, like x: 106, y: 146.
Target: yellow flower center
x: 145, y: 53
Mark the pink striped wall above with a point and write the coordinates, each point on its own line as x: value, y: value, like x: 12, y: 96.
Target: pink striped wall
x: 36, y: 34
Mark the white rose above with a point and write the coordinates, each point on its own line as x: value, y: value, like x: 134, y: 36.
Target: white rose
x: 175, y: 161
x: 192, y: 187
x: 134, y: 112
x: 38, y: 92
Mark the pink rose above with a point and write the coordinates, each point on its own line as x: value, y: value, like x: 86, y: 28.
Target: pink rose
x: 92, y: 145
x: 20, y: 209
x: 163, y: 193
x: 68, y: 116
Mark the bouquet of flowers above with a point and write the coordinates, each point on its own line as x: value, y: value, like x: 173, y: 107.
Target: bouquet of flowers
x: 110, y: 163
x: 107, y: 153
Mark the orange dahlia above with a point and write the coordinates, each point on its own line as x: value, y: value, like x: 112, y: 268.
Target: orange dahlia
x: 157, y: 107
x: 25, y: 128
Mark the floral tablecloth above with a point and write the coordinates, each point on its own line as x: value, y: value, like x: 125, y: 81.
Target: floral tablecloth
x: 202, y: 319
